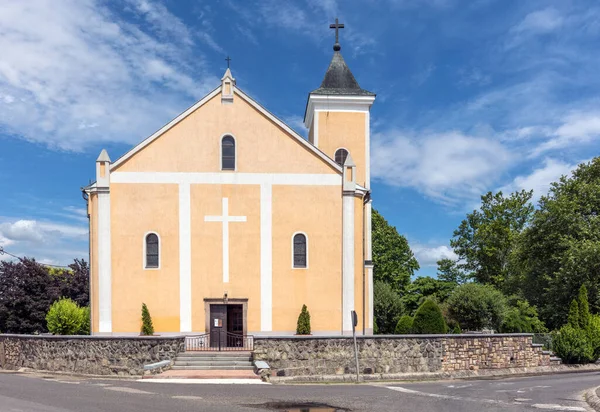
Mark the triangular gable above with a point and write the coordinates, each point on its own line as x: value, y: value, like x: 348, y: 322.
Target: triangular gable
x: 288, y: 130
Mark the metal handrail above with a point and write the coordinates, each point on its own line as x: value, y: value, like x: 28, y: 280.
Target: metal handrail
x: 231, y: 342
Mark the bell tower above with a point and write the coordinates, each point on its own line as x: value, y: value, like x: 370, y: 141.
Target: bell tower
x: 338, y: 115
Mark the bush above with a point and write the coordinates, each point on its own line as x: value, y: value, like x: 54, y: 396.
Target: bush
x: 593, y: 331
x: 404, y: 325
x: 573, y: 318
x: 85, y: 324
x: 303, y: 327
x: 522, y: 318
x: 375, y: 328
x: 477, y: 307
x: 429, y: 319
x: 572, y: 345
x: 147, y: 326
x: 387, y: 307
x: 65, y: 317
x: 584, y: 307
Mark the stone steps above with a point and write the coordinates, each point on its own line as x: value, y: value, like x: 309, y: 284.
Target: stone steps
x: 213, y: 361
x: 214, y: 368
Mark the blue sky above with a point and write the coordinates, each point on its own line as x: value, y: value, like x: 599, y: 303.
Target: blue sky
x: 471, y: 96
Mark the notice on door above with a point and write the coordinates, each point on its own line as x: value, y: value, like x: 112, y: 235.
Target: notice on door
x: 218, y: 323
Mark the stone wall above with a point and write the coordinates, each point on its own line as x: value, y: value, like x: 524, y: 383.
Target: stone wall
x: 87, y: 354
x: 315, y: 355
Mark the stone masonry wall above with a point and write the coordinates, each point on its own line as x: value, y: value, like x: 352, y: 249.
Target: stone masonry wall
x: 87, y: 354
x: 314, y: 355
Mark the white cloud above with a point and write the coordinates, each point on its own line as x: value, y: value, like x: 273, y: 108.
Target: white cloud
x: 77, y: 74
x: 541, y: 21
x: 447, y: 167
x: 35, y: 231
x: 576, y: 128
x: 540, y: 178
x: 429, y: 255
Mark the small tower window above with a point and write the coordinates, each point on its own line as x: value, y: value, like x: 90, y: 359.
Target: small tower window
x: 340, y: 156
x: 300, y: 251
x: 152, y: 251
x: 228, y: 153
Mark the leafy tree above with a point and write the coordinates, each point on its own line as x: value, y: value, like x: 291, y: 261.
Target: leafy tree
x: 477, y: 307
x: 387, y: 307
x: 522, y: 318
x: 65, y: 317
x: 394, y: 262
x: 584, y: 307
x: 573, y: 318
x: 147, y: 326
x: 560, y: 250
x: 429, y: 319
x: 75, y: 282
x: 486, y: 239
x: 404, y: 325
x: 423, y: 288
x: 448, y: 271
x: 303, y: 326
x: 26, y: 293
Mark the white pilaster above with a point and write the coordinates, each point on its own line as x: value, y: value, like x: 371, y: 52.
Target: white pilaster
x: 185, y: 259
x: 266, y: 258
x: 368, y: 262
x: 104, y: 252
x: 348, y: 263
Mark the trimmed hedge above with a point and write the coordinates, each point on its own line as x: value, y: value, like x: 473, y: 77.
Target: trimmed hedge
x: 429, y: 319
x: 404, y: 325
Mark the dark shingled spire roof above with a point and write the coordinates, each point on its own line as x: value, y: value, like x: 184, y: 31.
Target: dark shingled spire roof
x: 339, y: 79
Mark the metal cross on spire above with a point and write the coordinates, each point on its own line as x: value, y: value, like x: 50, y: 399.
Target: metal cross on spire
x: 337, y: 26
x: 228, y: 61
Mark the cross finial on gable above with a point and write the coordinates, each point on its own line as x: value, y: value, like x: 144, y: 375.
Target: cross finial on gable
x: 337, y: 26
x: 228, y: 59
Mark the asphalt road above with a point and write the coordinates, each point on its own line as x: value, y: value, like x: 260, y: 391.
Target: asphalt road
x: 38, y: 393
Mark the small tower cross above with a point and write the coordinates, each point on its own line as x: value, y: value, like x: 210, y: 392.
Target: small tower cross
x: 228, y: 59
x: 337, y: 26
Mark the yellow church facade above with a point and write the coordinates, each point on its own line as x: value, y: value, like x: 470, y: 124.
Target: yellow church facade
x: 227, y: 218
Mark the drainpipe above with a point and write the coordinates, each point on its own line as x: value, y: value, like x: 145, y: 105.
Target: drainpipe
x: 366, y: 197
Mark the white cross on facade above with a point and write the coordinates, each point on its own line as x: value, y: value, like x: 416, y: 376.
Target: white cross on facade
x: 225, y: 219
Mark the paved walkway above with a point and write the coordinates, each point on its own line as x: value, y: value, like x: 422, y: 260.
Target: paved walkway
x: 205, y: 374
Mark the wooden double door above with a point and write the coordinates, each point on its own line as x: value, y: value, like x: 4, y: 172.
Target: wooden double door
x: 226, y: 325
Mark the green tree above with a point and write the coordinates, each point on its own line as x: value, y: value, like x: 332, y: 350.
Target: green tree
x: 394, y: 262
x: 387, y: 307
x: 423, y: 288
x: 572, y: 345
x: 429, y: 319
x: 560, y: 250
x: 476, y: 307
x: 147, y: 326
x: 65, y: 317
x: 303, y: 325
x: 486, y: 239
x: 404, y: 325
x: 448, y: 271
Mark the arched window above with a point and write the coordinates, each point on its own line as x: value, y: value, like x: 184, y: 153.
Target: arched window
x: 152, y: 251
x: 300, y: 251
x: 228, y: 153
x: 340, y: 156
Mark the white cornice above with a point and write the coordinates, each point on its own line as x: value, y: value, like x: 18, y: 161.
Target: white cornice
x: 337, y: 103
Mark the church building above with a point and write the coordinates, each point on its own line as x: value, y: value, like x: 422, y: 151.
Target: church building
x: 226, y: 219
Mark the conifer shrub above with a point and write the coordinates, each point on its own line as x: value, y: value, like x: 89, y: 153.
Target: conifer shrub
x: 584, y: 307
x: 573, y: 318
x: 572, y: 345
x: 429, y: 319
x: 375, y: 328
x: 303, y: 326
x: 404, y: 325
x: 147, y: 326
x: 65, y: 317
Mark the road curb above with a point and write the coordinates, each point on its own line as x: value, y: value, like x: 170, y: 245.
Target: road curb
x: 437, y: 376
x: 592, y: 399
